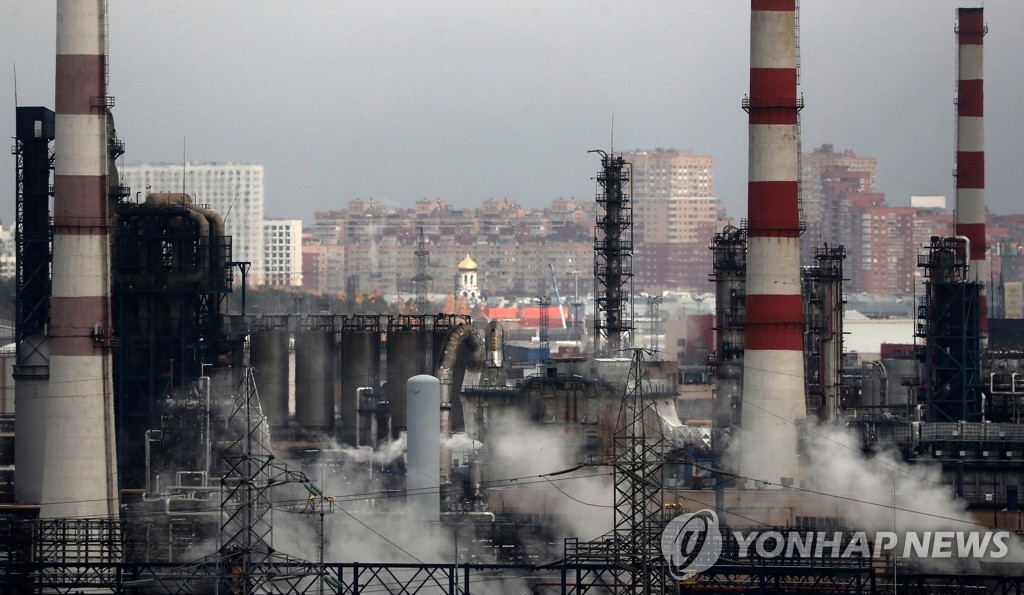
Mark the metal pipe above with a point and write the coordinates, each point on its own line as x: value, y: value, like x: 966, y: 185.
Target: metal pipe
x: 471, y: 514
x: 445, y: 374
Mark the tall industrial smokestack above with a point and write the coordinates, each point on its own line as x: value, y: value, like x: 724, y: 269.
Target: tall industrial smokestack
x: 79, y: 474
x: 773, y: 367
x: 970, y: 148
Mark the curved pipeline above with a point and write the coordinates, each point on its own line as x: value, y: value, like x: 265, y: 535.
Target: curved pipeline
x: 462, y: 333
x: 211, y: 226
x: 178, y: 198
x: 217, y: 261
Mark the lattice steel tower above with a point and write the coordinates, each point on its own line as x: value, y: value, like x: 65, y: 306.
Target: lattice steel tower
x: 543, y: 330
x: 639, y: 460
x: 248, y: 562
x: 613, y: 256
x: 421, y: 282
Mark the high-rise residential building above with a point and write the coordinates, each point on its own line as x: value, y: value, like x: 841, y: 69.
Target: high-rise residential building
x: 8, y: 262
x: 883, y: 259
x: 282, y: 253
x: 825, y: 156
x: 841, y: 206
x: 668, y: 173
x: 675, y: 214
x: 823, y: 170
x: 232, y: 189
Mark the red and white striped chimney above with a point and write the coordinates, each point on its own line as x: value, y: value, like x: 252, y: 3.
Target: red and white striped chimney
x: 970, y: 147
x: 79, y: 475
x: 773, y: 366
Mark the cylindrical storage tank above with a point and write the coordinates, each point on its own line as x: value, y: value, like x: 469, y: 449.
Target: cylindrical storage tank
x: 405, y: 352
x: 423, y: 453
x: 360, y: 367
x: 268, y: 354
x: 870, y: 388
x: 315, y: 354
x: 896, y: 371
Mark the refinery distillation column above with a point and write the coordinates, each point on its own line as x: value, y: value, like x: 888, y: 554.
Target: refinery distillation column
x: 79, y: 475
x: 970, y: 148
x: 613, y: 257
x: 773, y: 368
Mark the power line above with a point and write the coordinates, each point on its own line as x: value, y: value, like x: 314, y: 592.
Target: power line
x: 838, y: 496
x: 573, y: 498
x: 360, y: 496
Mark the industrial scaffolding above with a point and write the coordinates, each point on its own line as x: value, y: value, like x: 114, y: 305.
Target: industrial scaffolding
x: 725, y: 363
x: 948, y: 322
x: 823, y: 342
x: 729, y: 251
x: 613, y: 256
x: 170, y: 281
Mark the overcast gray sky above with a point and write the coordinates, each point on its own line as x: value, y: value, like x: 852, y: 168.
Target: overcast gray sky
x: 467, y: 99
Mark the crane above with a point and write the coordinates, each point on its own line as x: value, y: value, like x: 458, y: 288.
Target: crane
x: 558, y: 298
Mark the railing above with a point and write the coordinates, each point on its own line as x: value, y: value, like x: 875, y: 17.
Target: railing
x: 773, y: 102
x: 104, y: 101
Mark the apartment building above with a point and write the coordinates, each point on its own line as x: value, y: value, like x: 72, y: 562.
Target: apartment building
x: 675, y: 214
x: 282, y: 253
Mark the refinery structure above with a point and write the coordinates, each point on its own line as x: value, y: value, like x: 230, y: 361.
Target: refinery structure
x: 168, y: 440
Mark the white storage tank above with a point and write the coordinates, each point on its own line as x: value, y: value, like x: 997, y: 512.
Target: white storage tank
x: 423, y: 451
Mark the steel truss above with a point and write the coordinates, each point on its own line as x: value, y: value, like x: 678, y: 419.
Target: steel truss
x: 33, y: 238
x: 246, y: 558
x: 566, y: 577
x: 639, y: 461
x: 631, y: 553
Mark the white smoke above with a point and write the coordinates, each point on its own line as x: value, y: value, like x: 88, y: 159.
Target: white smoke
x: 383, y: 454
x: 881, y: 492
x: 368, y: 523
x: 461, y: 442
x: 370, y: 526
x: 523, y: 450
